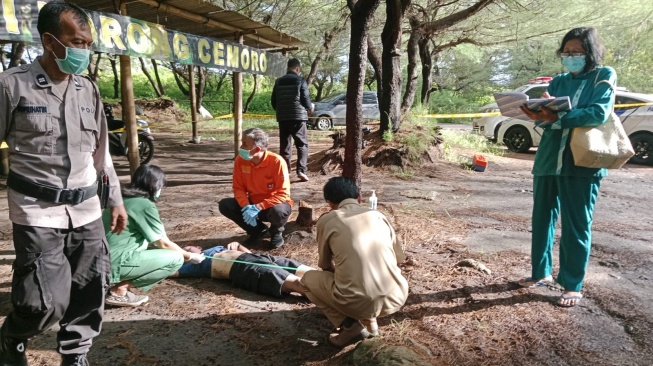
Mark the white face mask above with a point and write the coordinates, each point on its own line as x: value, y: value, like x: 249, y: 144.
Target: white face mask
x: 157, y: 194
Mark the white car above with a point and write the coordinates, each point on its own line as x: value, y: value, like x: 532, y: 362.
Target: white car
x: 489, y: 126
x: 636, y: 117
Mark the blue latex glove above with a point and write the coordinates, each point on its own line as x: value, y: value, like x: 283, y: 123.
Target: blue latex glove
x: 250, y: 213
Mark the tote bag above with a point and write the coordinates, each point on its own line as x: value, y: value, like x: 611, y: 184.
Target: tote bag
x: 602, y: 146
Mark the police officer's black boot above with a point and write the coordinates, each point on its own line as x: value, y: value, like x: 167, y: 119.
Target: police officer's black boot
x: 74, y: 360
x: 12, y: 351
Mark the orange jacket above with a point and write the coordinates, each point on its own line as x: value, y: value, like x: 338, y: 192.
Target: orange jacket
x: 266, y: 184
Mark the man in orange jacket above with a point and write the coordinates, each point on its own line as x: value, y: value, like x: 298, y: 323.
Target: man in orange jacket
x: 261, y: 190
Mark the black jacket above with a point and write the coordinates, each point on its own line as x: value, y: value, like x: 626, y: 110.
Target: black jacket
x: 290, y: 98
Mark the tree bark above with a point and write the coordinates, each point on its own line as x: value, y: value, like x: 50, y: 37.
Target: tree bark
x: 362, y: 12
x: 412, y: 73
x: 17, y: 50
x: 150, y: 78
x: 94, y: 67
x: 427, y: 66
x: 180, y: 85
x: 375, y: 60
x: 155, y: 67
x: 201, y: 87
x: 251, y: 95
x: 391, y: 56
x: 116, y: 80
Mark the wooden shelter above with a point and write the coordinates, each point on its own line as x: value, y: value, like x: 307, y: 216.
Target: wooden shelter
x: 197, y: 17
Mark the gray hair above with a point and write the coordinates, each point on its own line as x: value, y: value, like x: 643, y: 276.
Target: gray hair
x: 259, y: 136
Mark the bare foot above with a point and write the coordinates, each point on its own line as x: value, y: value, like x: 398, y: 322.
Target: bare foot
x: 569, y: 299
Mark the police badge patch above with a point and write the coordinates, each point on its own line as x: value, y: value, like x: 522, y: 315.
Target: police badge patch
x: 41, y: 79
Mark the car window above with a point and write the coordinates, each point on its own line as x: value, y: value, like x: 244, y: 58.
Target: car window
x: 536, y: 92
x: 332, y: 98
x: 369, y: 99
x: 620, y: 99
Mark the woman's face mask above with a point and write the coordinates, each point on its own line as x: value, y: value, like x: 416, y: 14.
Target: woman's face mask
x: 156, y: 195
x: 75, y: 61
x: 574, y: 63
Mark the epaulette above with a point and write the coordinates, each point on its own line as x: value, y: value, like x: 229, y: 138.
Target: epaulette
x: 14, y: 70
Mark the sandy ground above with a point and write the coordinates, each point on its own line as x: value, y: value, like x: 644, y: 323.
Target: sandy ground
x: 454, y: 315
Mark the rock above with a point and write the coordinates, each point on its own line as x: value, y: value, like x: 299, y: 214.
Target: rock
x: 375, y: 352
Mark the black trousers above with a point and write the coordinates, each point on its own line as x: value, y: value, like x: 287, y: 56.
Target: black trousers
x: 294, y: 130
x: 60, y: 275
x: 276, y: 215
x: 266, y: 280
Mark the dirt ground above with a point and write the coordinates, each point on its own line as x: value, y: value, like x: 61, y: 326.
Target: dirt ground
x: 453, y: 316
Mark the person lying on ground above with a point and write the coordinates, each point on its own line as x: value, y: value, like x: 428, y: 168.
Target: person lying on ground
x: 260, y: 273
x: 359, y: 255
x: 142, y: 255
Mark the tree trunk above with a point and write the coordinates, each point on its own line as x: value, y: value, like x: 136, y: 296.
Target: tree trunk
x: 180, y: 85
x: 391, y: 56
x: 328, y: 38
x: 319, y: 87
x: 17, y: 50
x: 362, y: 12
x: 155, y: 67
x: 375, y: 60
x: 116, y: 80
x: 221, y: 80
x: 411, y: 83
x: 201, y: 86
x: 329, y: 86
x: 150, y: 78
x: 251, y: 95
x: 94, y: 67
x: 427, y: 65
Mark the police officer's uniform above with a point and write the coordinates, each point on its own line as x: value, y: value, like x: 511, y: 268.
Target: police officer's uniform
x: 57, y: 137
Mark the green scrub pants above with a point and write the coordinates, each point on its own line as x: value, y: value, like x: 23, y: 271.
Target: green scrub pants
x: 574, y: 199
x: 146, y: 268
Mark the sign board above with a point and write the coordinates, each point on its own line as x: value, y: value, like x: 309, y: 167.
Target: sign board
x: 121, y: 35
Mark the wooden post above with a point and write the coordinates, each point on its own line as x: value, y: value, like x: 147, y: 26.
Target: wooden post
x: 193, y: 102
x: 238, y: 103
x: 128, y: 109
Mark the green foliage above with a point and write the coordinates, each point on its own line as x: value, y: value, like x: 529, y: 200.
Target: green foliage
x: 388, y: 136
x: 465, y: 140
x: 417, y: 143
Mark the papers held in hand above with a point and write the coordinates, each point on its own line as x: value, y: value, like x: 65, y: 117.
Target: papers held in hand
x: 509, y: 103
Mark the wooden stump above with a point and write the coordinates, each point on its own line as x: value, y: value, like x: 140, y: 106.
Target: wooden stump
x: 305, y: 215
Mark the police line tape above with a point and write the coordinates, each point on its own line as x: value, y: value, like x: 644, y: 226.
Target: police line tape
x: 450, y: 115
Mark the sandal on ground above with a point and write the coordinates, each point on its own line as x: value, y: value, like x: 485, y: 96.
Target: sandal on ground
x: 575, y: 300
x: 530, y: 282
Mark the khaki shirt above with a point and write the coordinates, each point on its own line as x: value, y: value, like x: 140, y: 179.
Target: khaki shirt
x: 362, y: 246
x: 55, y: 139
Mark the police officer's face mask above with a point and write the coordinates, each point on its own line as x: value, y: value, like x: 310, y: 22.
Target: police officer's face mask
x: 76, y: 60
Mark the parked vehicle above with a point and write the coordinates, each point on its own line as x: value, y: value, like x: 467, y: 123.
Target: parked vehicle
x: 118, y: 138
x: 332, y: 111
x: 636, y: 116
x: 489, y: 126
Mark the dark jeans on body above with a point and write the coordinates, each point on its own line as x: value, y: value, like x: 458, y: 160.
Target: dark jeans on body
x: 267, y: 279
x: 60, y: 275
x: 276, y: 215
x: 294, y: 130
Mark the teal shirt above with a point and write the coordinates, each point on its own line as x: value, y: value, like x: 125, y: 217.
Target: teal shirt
x: 594, y: 105
x: 143, y: 227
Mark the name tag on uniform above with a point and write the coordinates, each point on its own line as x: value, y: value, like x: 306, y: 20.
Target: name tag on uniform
x: 87, y: 110
x: 32, y: 109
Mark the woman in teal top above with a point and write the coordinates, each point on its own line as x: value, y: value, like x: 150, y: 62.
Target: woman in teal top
x: 142, y: 255
x: 559, y: 186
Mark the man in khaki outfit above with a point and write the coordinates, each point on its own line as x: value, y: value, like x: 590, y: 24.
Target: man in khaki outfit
x: 358, y: 254
x: 54, y: 124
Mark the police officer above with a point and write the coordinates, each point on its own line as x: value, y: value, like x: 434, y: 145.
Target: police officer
x: 54, y: 124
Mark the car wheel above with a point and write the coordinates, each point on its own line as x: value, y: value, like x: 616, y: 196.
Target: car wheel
x: 643, y: 146
x: 496, y: 133
x: 323, y: 123
x: 517, y: 139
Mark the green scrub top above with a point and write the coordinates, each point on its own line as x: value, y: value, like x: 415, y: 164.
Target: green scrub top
x: 594, y: 103
x: 143, y: 227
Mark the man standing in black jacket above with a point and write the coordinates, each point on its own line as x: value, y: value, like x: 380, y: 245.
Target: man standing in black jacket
x: 293, y: 104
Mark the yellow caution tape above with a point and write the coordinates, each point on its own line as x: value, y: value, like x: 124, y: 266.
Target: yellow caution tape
x: 631, y: 105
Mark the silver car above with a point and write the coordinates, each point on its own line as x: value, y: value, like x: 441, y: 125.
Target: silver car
x: 332, y: 111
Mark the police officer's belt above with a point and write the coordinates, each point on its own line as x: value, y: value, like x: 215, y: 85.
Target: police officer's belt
x: 51, y: 194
